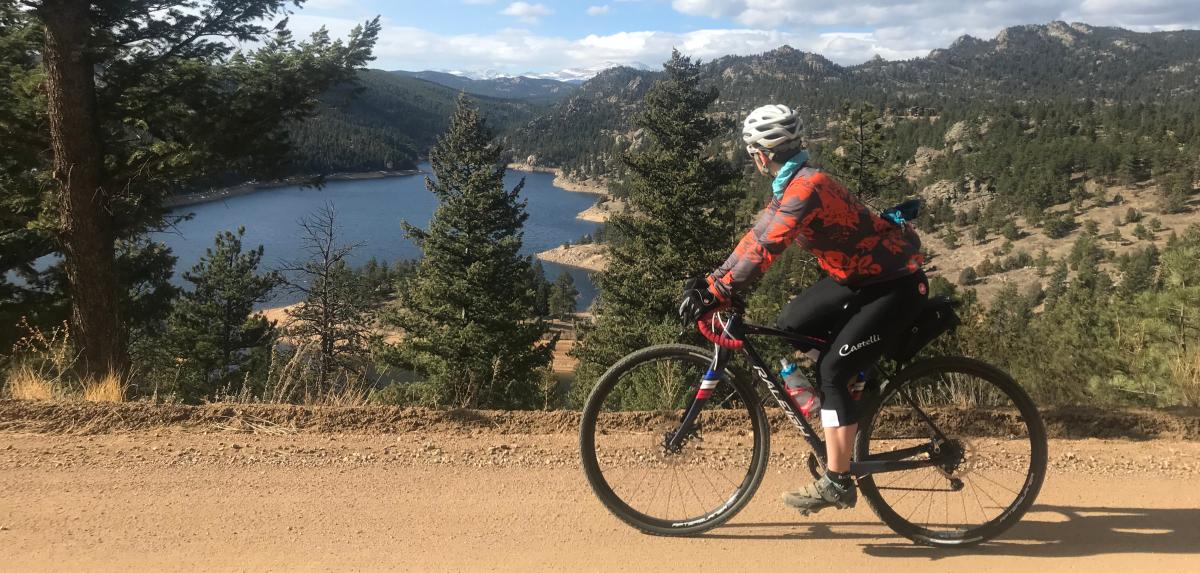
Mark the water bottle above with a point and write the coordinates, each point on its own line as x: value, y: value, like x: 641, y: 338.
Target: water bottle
x: 799, y: 389
x: 858, y: 385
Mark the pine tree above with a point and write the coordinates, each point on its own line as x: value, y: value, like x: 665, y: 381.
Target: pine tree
x: 564, y: 296
x: 679, y: 222
x: 212, y: 330
x: 130, y: 101
x: 468, y: 316
x: 865, y: 164
x: 542, y: 288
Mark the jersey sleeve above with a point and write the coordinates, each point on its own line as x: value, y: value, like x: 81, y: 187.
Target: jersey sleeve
x: 777, y: 226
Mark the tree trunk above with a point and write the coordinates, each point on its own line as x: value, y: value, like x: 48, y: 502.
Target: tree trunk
x: 85, y: 220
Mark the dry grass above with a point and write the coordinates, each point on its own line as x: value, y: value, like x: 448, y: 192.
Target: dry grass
x: 110, y: 388
x: 25, y: 383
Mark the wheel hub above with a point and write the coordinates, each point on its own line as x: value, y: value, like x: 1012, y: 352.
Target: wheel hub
x: 669, y: 450
x: 959, y: 459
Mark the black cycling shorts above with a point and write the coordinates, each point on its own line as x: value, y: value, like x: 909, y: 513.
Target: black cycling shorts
x: 861, y: 323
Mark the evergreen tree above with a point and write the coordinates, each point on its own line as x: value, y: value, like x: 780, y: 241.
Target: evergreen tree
x: 866, y: 164
x: 542, y: 288
x: 1138, y: 271
x: 679, y: 221
x: 468, y: 315
x: 119, y: 103
x: 213, y: 331
x: 564, y: 296
x: 1175, y: 190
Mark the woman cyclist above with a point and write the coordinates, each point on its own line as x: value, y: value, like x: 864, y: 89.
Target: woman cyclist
x: 874, y: 289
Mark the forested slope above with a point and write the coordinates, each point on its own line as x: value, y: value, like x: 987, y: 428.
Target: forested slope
x: 387, y: 121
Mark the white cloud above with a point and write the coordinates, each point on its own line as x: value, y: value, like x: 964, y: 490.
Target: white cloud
x: 526, y: 12
x: 893, y: 29
x: 597, y: 10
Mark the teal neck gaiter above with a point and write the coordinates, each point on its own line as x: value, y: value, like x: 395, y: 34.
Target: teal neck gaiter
x: 788, y: 171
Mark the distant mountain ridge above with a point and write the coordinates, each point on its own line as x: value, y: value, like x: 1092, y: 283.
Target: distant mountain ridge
x: 1053, y: 62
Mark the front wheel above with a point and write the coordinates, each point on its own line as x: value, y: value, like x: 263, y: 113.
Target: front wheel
x: 989, y: 440
x: 666, y: 490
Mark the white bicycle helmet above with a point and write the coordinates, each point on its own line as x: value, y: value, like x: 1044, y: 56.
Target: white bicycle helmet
x: 770, y: 126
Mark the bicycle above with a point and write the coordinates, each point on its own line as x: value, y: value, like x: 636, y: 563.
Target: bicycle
x: 683, y: 426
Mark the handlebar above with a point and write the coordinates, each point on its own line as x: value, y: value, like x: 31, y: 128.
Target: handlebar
x: 718, y: 339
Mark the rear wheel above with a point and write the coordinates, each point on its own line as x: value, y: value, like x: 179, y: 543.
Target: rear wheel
x: 985, y: 427
x: 662, y: 490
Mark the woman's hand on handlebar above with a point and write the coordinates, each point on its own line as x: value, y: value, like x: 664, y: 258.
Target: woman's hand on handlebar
x: 698, y: 301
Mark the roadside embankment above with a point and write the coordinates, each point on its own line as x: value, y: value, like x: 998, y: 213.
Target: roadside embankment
x: 95, y: 418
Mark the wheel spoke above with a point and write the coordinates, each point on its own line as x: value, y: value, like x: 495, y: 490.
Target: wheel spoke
x: 980, y: 421
x: 643, y: 402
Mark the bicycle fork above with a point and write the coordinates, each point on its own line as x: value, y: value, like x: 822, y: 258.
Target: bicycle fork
x: 710, y: 380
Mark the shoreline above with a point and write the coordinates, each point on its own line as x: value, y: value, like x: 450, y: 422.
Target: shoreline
x: 221, y: 194
x: 592, y: 257
x: 564, y: 182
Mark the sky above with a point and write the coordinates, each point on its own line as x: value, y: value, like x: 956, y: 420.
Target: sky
x: 548, y: 35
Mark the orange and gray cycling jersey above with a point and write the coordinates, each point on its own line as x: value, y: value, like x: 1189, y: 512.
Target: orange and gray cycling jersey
x: 853, y: 244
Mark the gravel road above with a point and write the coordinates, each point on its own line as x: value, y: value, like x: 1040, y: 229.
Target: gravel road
x: 177, y: 500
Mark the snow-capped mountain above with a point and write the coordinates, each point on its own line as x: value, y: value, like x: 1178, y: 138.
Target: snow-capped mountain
x: 568, y: 75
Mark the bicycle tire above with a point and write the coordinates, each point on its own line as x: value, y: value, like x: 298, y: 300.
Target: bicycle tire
x: 1029, y: 416
x: 624, y: 511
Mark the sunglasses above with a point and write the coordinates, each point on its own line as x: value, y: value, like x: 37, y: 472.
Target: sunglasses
x: 760, y: 160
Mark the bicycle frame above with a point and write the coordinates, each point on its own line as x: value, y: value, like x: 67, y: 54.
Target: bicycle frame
x: 738, y: 330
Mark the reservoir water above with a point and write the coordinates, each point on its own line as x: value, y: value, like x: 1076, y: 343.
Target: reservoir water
x: 369, y: 212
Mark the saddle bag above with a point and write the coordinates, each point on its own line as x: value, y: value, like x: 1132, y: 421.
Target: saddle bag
x: 937, y: 318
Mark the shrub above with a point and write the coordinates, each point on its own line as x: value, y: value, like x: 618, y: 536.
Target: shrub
x: 987, y: 267
x: 1141, y: 232
x: 968, y: 276
x: 950, y: 238
x: 980, y: 234
x: 1010, y: 231
x: 1060, y: 226
x: 1132, y: 215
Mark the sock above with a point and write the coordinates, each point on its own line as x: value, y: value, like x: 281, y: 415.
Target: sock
x: 842, y: 479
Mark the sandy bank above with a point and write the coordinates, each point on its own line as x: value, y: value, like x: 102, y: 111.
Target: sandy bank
x: 593, y: 256
x: 602, y: 210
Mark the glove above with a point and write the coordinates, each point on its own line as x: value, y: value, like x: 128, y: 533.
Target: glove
x: 697, y: 301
